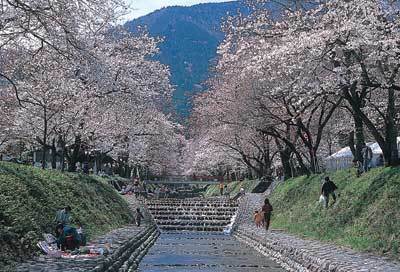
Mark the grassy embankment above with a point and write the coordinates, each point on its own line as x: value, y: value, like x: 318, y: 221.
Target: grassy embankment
x: 29, y: 198
x: 365, y: 218
x: 233, y: 188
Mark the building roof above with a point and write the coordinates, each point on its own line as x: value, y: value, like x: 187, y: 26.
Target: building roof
x: 346, y: 152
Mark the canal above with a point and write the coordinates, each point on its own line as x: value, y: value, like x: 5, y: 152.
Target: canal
x: 207, y: 252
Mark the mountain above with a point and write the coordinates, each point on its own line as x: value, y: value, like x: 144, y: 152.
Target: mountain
x: 191, y: 36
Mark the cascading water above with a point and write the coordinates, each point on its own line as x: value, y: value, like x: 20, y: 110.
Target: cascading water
x: 193, y: 239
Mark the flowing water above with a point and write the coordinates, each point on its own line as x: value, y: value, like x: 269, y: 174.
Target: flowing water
x: 206, y: 252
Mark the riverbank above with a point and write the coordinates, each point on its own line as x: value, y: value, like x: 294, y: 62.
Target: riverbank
x: 365, y: 218
x: 305, y: 255
x: 29, y: 198
x: 122, y: 248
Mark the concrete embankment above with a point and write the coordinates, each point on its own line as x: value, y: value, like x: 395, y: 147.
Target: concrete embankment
x: 128, y: 256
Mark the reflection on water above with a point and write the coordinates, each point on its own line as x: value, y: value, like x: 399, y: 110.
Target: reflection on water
x: 197, y: 251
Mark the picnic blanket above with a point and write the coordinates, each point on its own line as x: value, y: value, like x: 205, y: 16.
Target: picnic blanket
x: 49, y: 247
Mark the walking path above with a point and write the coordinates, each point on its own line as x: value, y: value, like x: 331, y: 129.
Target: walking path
x: 297, y: 254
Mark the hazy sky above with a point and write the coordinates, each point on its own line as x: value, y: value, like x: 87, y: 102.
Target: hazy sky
x: 143, y: 7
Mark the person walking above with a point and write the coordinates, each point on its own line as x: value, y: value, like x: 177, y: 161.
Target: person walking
x: 221, y: 188
x: 267, y: 210
x: 139, y: 216
x: 328, y: 188
x: 367, y: 157
x: 258, y: 219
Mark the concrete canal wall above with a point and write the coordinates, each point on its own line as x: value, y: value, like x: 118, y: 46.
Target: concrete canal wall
x: 128, y: 256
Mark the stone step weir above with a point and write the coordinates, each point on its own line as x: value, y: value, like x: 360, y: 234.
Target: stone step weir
x: 195, y: 214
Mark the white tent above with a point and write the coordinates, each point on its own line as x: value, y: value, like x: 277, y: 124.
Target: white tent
x: 344, y: 158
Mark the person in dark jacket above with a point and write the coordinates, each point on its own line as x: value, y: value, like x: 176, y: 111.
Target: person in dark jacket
x: 68, y: 237
x: 328, y: 188
x: 267, y: 210
x: 139, y: 216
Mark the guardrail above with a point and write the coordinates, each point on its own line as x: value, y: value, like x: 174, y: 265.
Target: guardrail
x: 168, y: 181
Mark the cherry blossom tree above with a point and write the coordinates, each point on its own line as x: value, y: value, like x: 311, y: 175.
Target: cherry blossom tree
x: 352, y: 46
x: 44, y: 92
x: 62, y: 26
x: 107, y: 102
x: 8, y: 107
x: 288, y: 76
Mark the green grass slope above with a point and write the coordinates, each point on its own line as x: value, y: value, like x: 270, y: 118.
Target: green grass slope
x: 29, y: 198
x: 366, y: 216
x: 233, y: 187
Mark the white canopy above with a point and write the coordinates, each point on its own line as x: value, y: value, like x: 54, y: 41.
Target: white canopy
x: 346, y: 152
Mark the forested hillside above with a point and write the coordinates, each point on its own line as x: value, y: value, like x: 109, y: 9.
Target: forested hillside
x: 191, y: 36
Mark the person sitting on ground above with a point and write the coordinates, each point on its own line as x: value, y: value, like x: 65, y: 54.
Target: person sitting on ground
x: 258, y: 219
x: 328, y: 188
x: 138, y: 217
x: 123, y: 190
x: 128, y: 189
x: 68, y: 238
x: 63, y: 216
x: 267, y: 210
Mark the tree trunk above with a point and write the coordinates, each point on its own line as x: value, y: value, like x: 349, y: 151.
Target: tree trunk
x: 74, y: 156
x: 44, y: 150
x: 285, y: 154
x: 351, y: 144
x: 53, y: 155
x: 44, y: 140
x: 359, y: 136
x: 392, y: 153
x: 61, y: 144
x: 62, y: 157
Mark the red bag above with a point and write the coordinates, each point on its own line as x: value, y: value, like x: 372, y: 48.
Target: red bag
x: 70, y: 243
